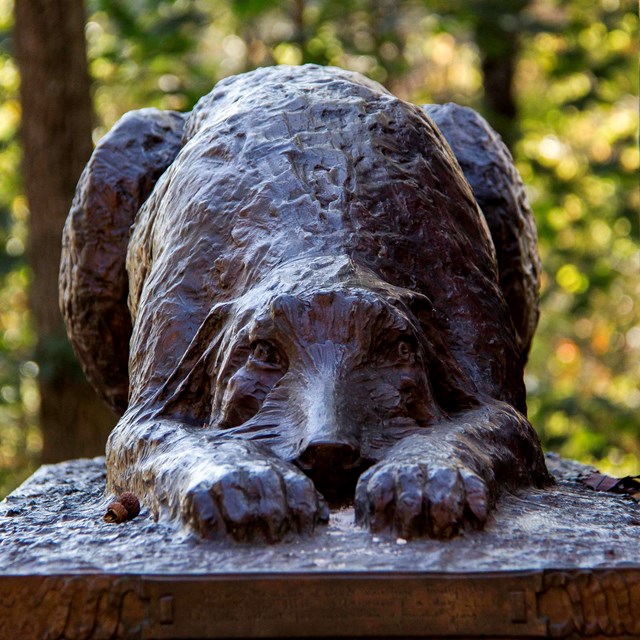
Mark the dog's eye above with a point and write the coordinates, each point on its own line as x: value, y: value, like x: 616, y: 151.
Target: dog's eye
x: 403, y: 351
x: 264, y: 353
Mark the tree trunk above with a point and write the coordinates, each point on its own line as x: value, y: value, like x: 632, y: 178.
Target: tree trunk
x: 497, y: 37
x: 56, y: 134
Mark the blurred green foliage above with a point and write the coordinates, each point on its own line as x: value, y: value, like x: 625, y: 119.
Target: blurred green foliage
x: 578, y: 89
x: 574, y: 137
x: 20, y: 440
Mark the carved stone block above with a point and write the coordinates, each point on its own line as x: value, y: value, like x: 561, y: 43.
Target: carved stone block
x: 560, y: 563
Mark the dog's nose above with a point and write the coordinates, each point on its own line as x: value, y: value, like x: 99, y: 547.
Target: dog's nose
x: 329, y: 455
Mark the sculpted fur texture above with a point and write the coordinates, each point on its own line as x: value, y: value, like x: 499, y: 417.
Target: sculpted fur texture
x: 307, y: 292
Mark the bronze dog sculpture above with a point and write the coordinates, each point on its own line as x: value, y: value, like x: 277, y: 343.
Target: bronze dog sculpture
x: 294, y: 297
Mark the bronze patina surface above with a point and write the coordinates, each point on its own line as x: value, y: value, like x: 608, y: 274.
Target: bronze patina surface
x: 561, y: 562
x: 317, y: 303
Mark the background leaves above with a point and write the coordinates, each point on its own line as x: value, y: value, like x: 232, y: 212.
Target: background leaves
x: 572, y: 124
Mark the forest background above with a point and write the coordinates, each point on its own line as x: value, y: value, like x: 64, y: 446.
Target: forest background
x: 557, y: 78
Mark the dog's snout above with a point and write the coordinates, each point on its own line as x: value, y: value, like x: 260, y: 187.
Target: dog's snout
x: 329, y: 455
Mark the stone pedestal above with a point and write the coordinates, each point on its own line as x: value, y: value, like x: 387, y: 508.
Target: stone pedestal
x: 564, y: 562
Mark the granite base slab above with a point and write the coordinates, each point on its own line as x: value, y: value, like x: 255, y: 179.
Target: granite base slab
x: 563, y: 562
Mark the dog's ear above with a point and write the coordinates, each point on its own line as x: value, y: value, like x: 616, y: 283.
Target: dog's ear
x: 119, y: 177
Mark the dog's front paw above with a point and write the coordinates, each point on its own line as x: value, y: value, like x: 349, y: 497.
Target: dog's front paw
x: 411, y: 499
x: 248, y: 496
